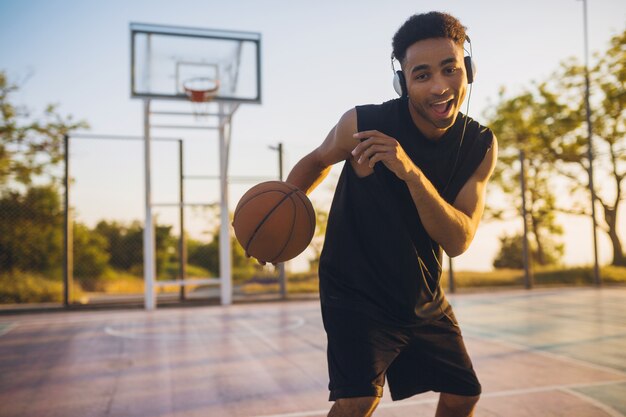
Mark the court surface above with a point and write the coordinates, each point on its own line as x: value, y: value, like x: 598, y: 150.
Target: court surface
x: 557, y: 352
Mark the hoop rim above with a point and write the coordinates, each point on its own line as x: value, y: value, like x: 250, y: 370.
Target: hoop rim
x: 201, y: 95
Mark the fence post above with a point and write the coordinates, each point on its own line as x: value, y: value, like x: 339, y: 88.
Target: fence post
x: 528, y: 276
x: 451, y: 275
x: 67, y: 229
x: 182, y: 243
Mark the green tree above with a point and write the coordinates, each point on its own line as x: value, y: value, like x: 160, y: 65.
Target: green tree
x: 90, y: 256
x: 31, y: 217
x: 30, y: 147
x: 31, y: 231
x: 124, y: 245
x: 547, y: 121
x: 166, y: 249
x: 199, y: 254
x: 206, y: 255
x: 520, y: 125
x: 568, y: 152
x: 511, y: 252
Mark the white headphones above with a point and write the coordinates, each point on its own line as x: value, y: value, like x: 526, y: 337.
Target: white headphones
x: 399, y: 82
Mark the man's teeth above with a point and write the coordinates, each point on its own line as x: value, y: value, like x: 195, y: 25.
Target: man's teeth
x: 442, y: 106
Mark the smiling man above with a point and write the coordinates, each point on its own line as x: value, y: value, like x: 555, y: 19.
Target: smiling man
x: 412, y: 186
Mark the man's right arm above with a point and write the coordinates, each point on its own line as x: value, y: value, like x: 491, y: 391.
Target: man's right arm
x: 309, y: 172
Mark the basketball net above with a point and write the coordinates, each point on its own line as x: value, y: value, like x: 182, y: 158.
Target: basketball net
x: 201, y: 91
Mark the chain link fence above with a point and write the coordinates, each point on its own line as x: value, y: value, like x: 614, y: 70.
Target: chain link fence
x: 104, y: 223
x: 31, y: 245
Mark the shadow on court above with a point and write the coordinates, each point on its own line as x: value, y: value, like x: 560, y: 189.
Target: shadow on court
x: 538, y: 353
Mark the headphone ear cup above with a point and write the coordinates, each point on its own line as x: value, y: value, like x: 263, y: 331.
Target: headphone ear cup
x: 399, y: 83
x: 470, y: 69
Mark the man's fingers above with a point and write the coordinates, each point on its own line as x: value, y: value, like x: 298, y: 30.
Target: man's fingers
x: 372, y: 141
x: 250, y: 256
x: 361, y: 147
x: 372, y: 150
x: 380, y: 156
x: 366, y: 134
x: 375, y: 147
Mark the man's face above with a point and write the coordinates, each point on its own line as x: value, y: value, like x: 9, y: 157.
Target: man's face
x: 436, y: 82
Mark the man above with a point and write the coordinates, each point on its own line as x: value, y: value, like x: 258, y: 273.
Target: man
x: 412, y: 185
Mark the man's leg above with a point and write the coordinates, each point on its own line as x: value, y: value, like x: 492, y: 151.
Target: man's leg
x: 354, y: 407
x: 451, y: 405
x: 360, y: 349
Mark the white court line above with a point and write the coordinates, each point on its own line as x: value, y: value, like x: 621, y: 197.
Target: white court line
x: 10, y: 326
x: 249, y: 331
x: 545, y: 353
x: 495, y: 394
x: 609, y: 410
x: 79, y: 317
x: 60, y: 320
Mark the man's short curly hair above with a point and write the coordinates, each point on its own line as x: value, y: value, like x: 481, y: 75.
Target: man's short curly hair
x: 426, y: 26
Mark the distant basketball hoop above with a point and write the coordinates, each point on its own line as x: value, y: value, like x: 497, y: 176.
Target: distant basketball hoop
x: 201, y: 91
x: 215, y: 70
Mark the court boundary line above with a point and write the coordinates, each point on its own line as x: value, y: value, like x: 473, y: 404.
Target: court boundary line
x: 606, y: 408
x: 494, y: 394
x: 78, y: 317
x: 298, y: 321
x: 548, y: 354
x: 10, y: 326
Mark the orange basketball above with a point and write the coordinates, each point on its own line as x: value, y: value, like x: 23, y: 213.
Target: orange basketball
x: 274, y: 221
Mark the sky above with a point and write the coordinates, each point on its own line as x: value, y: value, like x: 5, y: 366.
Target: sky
x: 319, y: 59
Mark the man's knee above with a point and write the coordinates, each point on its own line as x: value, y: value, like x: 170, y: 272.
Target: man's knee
x: 457, y: 404
x: 354, y: 407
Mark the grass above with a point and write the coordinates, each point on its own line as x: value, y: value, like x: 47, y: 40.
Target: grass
x: 308, y: 282
x: 22, y: 287
x: 27, y: 287
x: 297, y: 283
x: 542, y: 277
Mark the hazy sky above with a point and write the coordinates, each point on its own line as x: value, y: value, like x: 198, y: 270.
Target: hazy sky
x: 319, y: 59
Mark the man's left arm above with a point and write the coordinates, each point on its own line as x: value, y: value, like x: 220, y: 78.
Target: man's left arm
x: 453, y: 226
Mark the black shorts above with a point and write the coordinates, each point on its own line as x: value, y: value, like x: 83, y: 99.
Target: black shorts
x: 430, y: 356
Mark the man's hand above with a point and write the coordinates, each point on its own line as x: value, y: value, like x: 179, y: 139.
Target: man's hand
x: 379, y: 147
x: 262, y: 263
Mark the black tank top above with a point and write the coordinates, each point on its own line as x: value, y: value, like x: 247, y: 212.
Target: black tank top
x: 377, y: 257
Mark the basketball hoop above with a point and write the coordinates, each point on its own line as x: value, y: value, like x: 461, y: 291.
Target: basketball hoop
x: 201, y: 91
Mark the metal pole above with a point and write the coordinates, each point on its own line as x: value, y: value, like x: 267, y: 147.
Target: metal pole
x: 451, y: 275
x: 282, y: 276
x: 182, y: 243
x: 596, y: 267
x: 226, y: 286
x: 280, y: 161
x: 528, y: 277
x: 67, y: 232
x: 149, y: 249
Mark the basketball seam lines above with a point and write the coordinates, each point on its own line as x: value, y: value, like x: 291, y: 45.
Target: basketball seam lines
x: 265, y: 218
x: 293, y: 222
x: 243, y: 203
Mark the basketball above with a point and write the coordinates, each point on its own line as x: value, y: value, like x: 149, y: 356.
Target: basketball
x: 274, y: 221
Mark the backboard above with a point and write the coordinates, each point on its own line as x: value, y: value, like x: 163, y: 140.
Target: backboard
x: 164, y: 58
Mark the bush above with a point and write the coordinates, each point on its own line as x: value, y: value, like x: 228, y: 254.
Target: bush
x: 29, y: 287
x: 511, y: 252
x: 545, y: 276
x: 90, y: 256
